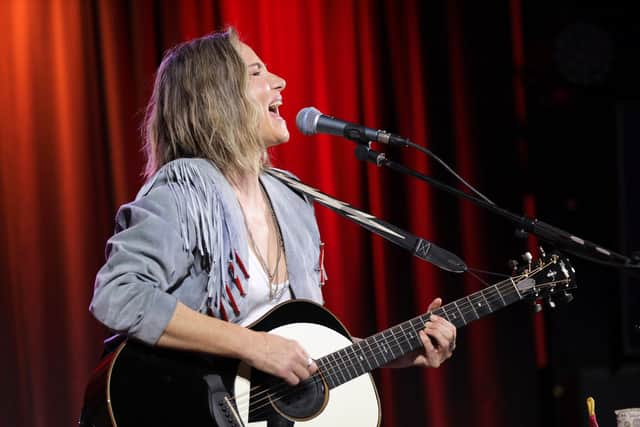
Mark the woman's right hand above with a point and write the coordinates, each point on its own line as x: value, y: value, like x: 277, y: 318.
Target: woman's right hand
x: 280, y: 357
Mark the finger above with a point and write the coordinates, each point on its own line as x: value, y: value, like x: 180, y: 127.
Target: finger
x: 305, y: 358
x: 291, y: 378
x: 430, y: 352
x: 426, y: 341
x: 439, y: 331
x: 436, y: 303
x: 439, y: 341
x: 442, y: 334
x: 301, y: 371
x: 448, y: 329
x: 311, y: 365
x: 443, y: 338
x: 442, y: 320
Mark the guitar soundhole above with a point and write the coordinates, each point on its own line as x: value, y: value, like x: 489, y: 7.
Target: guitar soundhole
x: 300, y: 402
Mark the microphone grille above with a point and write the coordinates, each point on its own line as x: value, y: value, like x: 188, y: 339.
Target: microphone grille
x: 307, y: 120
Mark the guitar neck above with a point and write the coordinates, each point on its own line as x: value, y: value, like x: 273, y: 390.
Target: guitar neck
x: 379, y: 349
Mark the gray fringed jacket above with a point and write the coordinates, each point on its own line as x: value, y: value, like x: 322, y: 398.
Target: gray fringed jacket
x: 184, y: 239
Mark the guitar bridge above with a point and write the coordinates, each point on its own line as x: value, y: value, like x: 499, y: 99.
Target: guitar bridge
x: 223, y: 411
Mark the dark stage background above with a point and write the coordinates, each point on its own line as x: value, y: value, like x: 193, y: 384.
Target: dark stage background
x: 535, y: 103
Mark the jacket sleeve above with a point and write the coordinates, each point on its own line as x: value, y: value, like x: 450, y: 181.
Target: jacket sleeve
x: 145, y: 258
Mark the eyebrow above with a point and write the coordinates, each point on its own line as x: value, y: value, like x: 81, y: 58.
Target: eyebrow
x: 257, y: 64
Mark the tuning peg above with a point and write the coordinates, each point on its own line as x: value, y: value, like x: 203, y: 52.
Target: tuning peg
x: 567, y: 297
x: 537, y: 307
x: 527, y: 257
x: 551, y: 303
x: 512, y: 264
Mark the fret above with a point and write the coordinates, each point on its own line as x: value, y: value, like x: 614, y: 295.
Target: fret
x: 364, y: 354
x: 515, y: 287
x: 337, y: 368
x: 334, y: 369
x: 447, y: 315
x: 423, y: 320
x: 403, y: 345
x: 485, y: 300
x: 508, y: 294
x: 360, y: 357
x: 349, y: 362
x: 395, y: 338
x: 387, y: 336
x: 411, y: 336
x: 417, y: 324
x: 407, y: 338
x: 438, y: 312
x: 469, y: 303
x: 504, y: 303
x: 384, y: 353
x: 380, y: 351
x: 451, y: 314
x: 372, y: 353
x: 455, y: 303
x: 344, y: 364
x: 479, y: 307
x: 354, y: 361
x: 327, y: 372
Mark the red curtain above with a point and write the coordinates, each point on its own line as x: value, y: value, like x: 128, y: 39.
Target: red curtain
x: 75, y: 76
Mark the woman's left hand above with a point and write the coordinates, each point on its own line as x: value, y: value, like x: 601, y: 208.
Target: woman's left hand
x: 438, y: 338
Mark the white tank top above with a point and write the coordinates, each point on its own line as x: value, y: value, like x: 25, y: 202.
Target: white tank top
x: 258, y: 297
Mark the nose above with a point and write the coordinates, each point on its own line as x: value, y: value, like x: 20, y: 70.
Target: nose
x: 277, y: 82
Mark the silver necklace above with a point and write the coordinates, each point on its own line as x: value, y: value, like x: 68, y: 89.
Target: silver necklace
x: 273, y: 287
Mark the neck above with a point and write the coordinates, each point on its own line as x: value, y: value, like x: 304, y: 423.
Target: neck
x: 247, y: 189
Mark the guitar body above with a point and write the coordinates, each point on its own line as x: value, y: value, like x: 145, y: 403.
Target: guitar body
x: 138, y: 385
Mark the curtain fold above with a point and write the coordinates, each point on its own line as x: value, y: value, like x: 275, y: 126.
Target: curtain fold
x: 74, y: 81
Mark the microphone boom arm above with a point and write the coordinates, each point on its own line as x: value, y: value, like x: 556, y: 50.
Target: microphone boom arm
x: 541, y: 229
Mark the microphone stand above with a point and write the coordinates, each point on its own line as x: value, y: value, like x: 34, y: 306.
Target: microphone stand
x: 547, y: 232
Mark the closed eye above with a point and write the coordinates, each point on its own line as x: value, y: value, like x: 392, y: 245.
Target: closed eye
x: 256, y: 68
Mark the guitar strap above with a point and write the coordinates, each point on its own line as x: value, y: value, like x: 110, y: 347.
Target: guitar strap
x: 419, y: 247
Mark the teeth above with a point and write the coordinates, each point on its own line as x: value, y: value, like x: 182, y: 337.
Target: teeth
x: 273, y: 107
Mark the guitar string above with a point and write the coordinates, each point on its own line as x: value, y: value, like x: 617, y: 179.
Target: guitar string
x: 345, y: 362
x: 338, y: 364
x: 291, y: 390
x: 467, y: 306
x: 449, y: 304
x: 464, y: 308
x: 332, y: 370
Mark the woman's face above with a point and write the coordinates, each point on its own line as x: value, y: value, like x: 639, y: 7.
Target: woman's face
x: 265, y: 88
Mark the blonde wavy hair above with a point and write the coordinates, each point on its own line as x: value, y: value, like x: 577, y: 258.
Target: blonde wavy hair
x: 200, y: 108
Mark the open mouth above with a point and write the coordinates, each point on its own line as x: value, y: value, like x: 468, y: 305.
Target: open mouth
x: 274, y: 108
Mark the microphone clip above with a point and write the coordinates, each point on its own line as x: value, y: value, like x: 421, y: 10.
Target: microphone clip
x: 365, y: 153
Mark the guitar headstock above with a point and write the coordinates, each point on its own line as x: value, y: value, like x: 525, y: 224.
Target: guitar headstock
x: 549, y: 278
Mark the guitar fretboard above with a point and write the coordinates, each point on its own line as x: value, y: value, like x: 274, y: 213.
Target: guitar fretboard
x: 379, y: 349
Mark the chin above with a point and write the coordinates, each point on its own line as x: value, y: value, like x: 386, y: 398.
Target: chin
x: 277, y: 142
x: 285, y: 138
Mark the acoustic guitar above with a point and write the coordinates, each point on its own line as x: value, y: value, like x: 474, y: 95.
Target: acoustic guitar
x: 139, y: 385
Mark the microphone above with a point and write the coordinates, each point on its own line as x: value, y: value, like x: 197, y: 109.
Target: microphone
x: 311, y: 121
